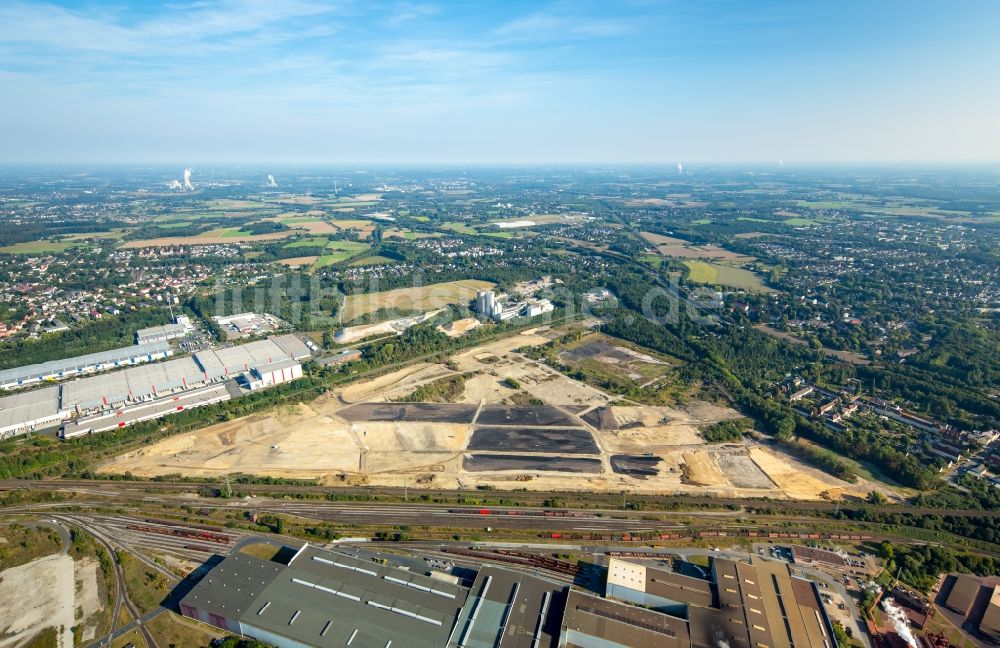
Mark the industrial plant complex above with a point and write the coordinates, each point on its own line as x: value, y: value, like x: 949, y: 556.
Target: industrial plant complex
x: 501, y: 307
x: 351, y: 597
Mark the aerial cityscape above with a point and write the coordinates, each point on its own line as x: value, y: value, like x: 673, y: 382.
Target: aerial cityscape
x: 501, y: 330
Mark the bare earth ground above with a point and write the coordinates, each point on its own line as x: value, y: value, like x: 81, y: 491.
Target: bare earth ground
x: 36, y: 596
x: 312, y: 441
x: 299, y: 261
x: 88, y: 600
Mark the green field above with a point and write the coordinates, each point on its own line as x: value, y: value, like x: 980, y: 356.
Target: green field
x: 175, y: 224
x: 372, y: 260
x: 39, y: 247
x: 716, y: 274
x: 652, y: 259
x: 827, y: 204
x: 338, y: 251
x: 461, y: 228
x: 799, y: 222
x: 313, y: 241
x: 346, y: 246
x: 702, y: 221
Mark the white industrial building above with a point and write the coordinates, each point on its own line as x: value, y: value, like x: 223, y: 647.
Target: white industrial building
x: 56, y: 370
x: 498, y: 308
x: 191, y: 381
x: 180, y: 328
x: 24, y: 412
x: 274, y: 373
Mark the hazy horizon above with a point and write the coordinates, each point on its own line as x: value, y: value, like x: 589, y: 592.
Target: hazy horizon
x: 520, y: 83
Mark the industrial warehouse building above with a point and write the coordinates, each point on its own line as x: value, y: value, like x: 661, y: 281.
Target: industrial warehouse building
x: 136, y: 393
x: 180, y: 328
x: 335, y: 598
x: 324, y: 598
x: 56, y: 370
x: 746, y: 605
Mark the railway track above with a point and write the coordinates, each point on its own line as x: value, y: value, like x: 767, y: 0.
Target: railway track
x: 597, y: 502
x: 121, y: 593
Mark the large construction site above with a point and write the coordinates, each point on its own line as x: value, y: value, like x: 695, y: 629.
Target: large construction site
x: 513, y: 423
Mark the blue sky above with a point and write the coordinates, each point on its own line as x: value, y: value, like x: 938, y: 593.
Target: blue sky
x: 499, y: 82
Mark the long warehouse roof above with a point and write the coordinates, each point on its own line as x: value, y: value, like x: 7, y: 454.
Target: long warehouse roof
x: 25, y: 408
x: 79, y: 363
x: 324, y: 598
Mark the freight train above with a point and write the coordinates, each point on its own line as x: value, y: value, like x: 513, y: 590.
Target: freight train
x: 194, y: 534
x: 647, y: 536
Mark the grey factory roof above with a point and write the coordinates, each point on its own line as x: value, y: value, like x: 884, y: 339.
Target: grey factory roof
x: 324, y: 598
x: 277, y: 365
x: 510, y: 609
x: 27, y: 407
x: 134, y: 383
x: 623, y: 625
x: 221, y: 362
x: 292, y: 345
x: 90, y: 361
x: 163, y: 330
x: 231, y: 588
x: 109, y: 419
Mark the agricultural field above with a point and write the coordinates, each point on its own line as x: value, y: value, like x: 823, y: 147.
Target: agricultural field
x: 298, y: 262
x: 423, y: 298
x: 223, y: 204
x: 717, y: 274
x: 218, y: 236
x: 313, y: 241
x: 364, y: 228
x: 459, y: 227
x: 408, y: 235
x: 372, y: 260
x: 39, y: 247
x: 339, y: 251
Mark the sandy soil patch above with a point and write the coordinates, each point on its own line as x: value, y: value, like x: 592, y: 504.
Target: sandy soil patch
x: 485, y: 388
x: 700, y: 469
x: 639, y: 440
x: 88, y: 599
x: 396, y: 383
x: 796, y: 481
x: 308, y: 443
x: 36, y: 596
x: 481, y: 356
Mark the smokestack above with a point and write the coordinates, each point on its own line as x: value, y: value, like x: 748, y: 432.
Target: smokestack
x: 899, y: 622
x: 187, y: 180
x: 270, y: 181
